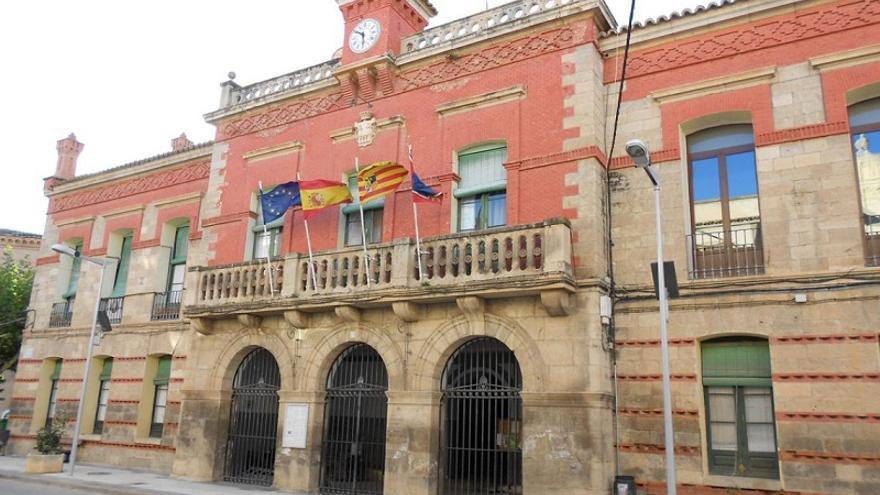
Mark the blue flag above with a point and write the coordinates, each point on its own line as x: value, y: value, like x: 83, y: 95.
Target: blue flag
x: 421, y: 192
x: 277, y: 201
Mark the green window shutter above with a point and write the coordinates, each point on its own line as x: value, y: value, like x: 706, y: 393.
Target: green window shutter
x: 122, y: 269
x: 482, y: 171
x: 75, y: 266
x: 56, y: 373
x: 107, y: 369
x: 736, y: 363
x: 163, y: 371
x: 181, y: 245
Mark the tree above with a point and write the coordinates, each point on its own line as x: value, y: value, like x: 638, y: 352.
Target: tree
x: 16, y: 281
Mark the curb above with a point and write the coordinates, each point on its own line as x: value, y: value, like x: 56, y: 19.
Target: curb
x: 79, y: 484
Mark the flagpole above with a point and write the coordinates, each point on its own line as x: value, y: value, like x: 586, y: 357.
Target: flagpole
x: 312, y: 274
x: 357, y: 169
x: 416, y: 218
x: 268, y: 251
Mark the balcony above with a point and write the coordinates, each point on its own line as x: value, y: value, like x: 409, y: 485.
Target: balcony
x: 113, y: 307
x: 166, y: 306
x: 730, y: 253
x: 61, y: 315
x: 506, y: 262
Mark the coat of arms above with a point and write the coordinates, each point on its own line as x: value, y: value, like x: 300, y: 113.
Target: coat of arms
x: 366, y: 129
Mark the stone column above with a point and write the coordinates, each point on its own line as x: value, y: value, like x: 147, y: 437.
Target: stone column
x: 412, y: 443
x: 201, y: 437
x: 300, y: 469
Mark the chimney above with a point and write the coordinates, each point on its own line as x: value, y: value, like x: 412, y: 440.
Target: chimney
x: 181, y: 143
x: 68, y: 151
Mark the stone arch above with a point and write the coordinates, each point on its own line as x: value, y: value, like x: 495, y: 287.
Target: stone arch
x: 436, y: 351
x: 861, y: 94
x: 236, y: 350
x: 338, y: 339
x: 714, y: 119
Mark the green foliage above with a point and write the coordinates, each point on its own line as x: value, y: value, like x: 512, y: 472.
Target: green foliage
x: 49, y: 438
x: 16, y: 280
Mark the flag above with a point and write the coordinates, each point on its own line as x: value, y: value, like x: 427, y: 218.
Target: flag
x: 277, y: 201
x: 319, y: 194
x: 379, y: 179
x: 421, y: 192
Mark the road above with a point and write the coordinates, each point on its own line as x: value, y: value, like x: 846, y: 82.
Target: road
x: 15, y: 487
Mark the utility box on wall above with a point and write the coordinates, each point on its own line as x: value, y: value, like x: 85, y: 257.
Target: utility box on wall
x: 624, y: 485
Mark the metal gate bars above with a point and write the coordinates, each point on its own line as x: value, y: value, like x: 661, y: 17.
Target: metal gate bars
x: 482, y: 421
x: 250, y: 448
x: 354, y: 427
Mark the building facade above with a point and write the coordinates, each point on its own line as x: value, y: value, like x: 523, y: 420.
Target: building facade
x: 491, y: 367
x: 24, y: 246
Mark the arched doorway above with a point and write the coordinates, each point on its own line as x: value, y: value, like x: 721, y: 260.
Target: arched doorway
x: 253, y: 421
x: 353, y: 453
x: 482, y: 421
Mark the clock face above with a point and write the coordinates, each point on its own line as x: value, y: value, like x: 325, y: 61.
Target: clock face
x: 364, y: 35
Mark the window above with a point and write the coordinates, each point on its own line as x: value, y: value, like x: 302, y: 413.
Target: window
x: 103, y: 395
x: 267, y: 240
x: 373, y: 213
x: 53, y: 393
x: 121, y: 279
x: 73, y: 280
x: 864, y: 121
x: 482, y: 192
x: 160, y: 396
x: 725, y: 212
x: 739, y: 408
x: 177, y: 270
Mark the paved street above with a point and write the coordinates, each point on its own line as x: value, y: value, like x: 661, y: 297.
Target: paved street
x: 16, y: 487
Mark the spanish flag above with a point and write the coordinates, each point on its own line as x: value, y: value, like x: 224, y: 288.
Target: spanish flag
x: 319, y: 194
x: 379, y: 179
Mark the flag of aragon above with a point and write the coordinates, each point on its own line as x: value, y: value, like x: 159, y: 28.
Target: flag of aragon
x: 379, y: 179
x: 319, y: 194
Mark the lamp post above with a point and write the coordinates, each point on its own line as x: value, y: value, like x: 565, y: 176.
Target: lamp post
x: 69, y: 251
x: 638, y: 151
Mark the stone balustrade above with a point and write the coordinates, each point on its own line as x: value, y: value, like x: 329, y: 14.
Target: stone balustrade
x: 512, y: 14
x: 527, y: 259
x: 301, y: 80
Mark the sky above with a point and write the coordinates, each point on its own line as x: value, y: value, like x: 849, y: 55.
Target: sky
x: 127, y: 77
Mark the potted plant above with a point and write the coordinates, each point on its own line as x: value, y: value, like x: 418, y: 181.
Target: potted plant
x: 50, y: 456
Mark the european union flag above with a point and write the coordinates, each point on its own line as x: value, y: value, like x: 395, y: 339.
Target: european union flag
x: 277, y: 201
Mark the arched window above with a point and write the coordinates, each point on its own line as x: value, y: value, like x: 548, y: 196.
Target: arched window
x: 738, y: 390
x: 864, y: 121
x: 373, y: 217
x: 725, y: 211
x: 482, y: 191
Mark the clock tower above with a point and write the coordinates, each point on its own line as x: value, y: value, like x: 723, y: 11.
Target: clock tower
x: 374, y: 28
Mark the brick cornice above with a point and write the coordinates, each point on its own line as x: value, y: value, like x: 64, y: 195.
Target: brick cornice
x: 557, y: 158
x: 826, y: 377
x: 127, y: 188
x: 659, y: 156
x: 810, y: 457
x: 230, y: 218
x: 682, y: 377
x: 802, y: 133
x: 827, y: 417
x: 643, y: 448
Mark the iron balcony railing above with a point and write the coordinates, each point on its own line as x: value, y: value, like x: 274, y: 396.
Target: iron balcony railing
x: 62, y: 314
x: 166, y: 305
x: 726, y: 253
x: 113, y: 307
x: 872, y: 248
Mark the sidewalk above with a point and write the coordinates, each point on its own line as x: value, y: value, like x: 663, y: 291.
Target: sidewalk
x: 116, y: 481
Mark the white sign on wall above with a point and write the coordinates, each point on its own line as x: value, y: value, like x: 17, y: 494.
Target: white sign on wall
x: 296, y: 424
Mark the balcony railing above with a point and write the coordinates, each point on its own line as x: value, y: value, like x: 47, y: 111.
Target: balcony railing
x: 166, y: 306
x: 872, y: 248
x: 113, y: 307
x: 529, y: 258
x: 61, y: 315
x: 731, y: 253
x: 240, y: 283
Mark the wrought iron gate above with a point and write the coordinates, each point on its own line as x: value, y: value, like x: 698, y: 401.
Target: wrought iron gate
x: 354, y: 427
x: 253, y: 421
x: 482, y: 421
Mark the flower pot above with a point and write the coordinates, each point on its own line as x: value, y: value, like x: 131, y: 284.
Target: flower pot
x: 39, y: 463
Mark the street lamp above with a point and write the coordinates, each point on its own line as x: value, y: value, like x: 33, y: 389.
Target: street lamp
x: 73, y: 253
x: 638, y: 151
